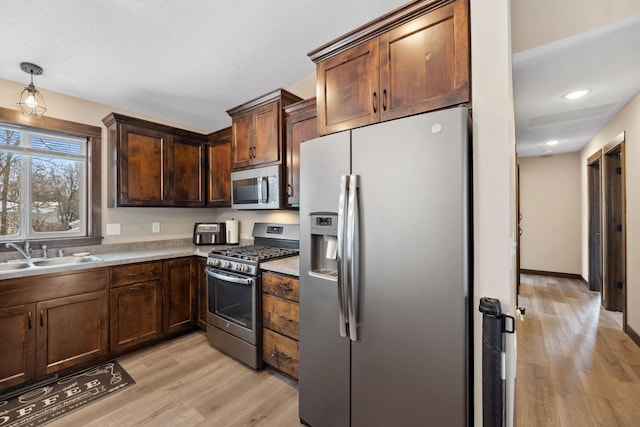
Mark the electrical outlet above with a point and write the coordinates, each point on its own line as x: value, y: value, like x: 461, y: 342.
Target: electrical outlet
x: 113, y: 229
x: 155, y: 227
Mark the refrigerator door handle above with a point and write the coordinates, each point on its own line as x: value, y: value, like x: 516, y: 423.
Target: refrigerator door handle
x: 340, y: 254
x: 353, y: 249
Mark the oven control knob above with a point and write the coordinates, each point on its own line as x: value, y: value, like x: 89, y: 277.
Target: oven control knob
x: 238, y: 267
x: 227, y: 264
x: 246, y: 268
x: 216, y: 263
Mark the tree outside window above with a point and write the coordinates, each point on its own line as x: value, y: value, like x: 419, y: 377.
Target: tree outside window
x: 43, y: 182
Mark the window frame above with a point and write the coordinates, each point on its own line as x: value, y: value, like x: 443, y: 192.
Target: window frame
x: 93, y: 134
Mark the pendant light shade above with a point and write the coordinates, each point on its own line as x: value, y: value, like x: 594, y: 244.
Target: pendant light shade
x: 31, y: 102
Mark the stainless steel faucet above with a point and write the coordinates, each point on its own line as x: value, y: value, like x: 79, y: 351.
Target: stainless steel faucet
x: 45, y: 251
x: 26, y: 252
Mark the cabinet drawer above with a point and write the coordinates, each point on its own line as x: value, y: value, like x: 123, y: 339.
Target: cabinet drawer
x: 135, y: 273
x: 280, y: 352
x: 281, y: 286
x: 281, y: 315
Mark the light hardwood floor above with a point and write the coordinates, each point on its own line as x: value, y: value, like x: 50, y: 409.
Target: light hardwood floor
x: 576, y: 367
x: 186, y: 382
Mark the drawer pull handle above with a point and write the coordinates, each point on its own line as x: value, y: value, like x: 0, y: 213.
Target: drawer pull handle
x: 141, y: 273
x: 41, y: 318
x: 284, y: 318
x: 29, y: 320
x: 281, y: 355
x: 284, y: 287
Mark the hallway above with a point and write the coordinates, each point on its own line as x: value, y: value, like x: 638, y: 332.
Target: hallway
x: 575, y: 365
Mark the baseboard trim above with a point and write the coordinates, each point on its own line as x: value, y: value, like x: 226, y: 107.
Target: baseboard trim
x: 555, y: 274
x: 632, y: 334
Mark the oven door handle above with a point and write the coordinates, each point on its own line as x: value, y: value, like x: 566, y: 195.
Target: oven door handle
x: 227, y: 278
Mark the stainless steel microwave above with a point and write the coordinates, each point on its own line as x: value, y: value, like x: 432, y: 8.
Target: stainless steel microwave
x: 256, y: 188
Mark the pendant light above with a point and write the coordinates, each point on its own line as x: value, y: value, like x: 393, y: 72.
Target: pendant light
x: 31, y: 102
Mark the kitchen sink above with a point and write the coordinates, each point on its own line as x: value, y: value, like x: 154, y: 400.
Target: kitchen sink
x: 15, y: 264
x: 49, y: 262
x: 10, y: 266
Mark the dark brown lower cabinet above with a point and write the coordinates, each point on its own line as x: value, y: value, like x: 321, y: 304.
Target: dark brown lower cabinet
x: 280, y: 322
x: 180, y: 295
x: 51, y: 323
x: 71, y: 331
x: 59, y: 322
x: 136, y: 314
x: 17, y: 344
x: 202, y: 293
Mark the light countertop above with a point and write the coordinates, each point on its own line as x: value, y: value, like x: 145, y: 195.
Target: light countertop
x: 136, y: 255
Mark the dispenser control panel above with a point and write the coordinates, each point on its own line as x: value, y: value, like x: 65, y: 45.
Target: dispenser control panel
x: 324, y: 224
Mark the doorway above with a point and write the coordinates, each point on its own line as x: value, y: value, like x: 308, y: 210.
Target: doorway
x: 614, y: 283
x: 594, y: 183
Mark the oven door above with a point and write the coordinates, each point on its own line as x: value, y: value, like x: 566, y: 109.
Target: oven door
x: 233, y: 304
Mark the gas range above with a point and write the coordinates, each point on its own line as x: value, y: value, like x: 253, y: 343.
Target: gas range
x: 271, y: 241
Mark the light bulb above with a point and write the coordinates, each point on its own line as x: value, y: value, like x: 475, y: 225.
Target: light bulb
x: 31, y: 100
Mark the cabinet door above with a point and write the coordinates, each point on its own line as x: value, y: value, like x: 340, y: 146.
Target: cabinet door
x: 219, y: 175
x: 179, y: 304
x: 136, y: 314
x: 242, y: 149
x: 202, y: 293
x: 187, y: 172
x: 17, y: 345
x: 347, y: 89
x: 71, y: 330
x: 424, y: 64
x: 267, y: 134
x: 301, y: 125
x: 140, y: 162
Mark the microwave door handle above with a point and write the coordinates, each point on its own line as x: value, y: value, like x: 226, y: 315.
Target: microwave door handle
x: 342, y: 321
x: 353, y: 249
x: 263, y: 189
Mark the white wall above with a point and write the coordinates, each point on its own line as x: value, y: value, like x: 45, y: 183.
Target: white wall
x: 626, y: 121
x: 493, y: 177
x: 551, y: 203
x: 543, y: 21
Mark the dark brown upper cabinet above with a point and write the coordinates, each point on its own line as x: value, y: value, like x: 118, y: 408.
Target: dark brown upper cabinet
x: 258, y: 130
x: 219, y: 170
x: 154, y: 164
x: 411, y: 60
x: 301, y: 125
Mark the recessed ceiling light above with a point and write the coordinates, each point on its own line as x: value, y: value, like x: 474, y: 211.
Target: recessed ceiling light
x: 576, y: 94
x: 552, y: 142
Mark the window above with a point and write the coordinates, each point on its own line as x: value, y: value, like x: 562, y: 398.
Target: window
x: 49, y: 181
x: 42, y: 184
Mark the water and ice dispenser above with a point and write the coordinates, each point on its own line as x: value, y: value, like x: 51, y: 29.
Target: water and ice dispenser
x: 324, y: 245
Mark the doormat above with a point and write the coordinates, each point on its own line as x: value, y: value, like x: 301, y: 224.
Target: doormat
x: 43, y: 404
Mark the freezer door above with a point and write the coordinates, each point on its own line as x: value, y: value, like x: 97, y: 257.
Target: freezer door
x: 324, y: 354
x: 409, y: 365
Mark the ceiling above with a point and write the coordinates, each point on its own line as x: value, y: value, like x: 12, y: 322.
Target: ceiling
x: 606, y: 61
x: 188, y: 65
x: 161, y: 58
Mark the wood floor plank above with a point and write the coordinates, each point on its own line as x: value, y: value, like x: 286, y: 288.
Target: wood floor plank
x: 576, y: 367
x: 186, y: 382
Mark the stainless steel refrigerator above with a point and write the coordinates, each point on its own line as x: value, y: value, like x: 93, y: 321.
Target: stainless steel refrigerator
x: 385, y: 274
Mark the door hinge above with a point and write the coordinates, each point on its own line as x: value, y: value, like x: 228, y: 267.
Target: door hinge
x: 619, y: 285
x: 619, y: 227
